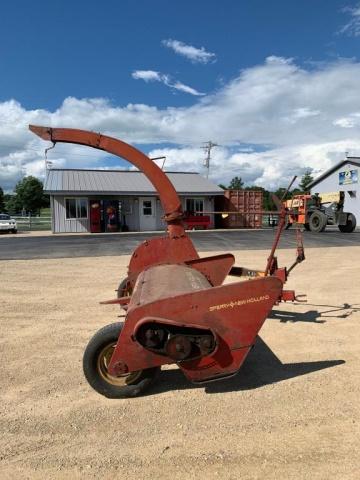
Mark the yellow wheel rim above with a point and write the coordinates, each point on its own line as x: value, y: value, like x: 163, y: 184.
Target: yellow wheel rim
x: 102, y: 365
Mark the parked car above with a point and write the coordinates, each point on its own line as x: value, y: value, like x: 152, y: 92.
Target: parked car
x: 7, y: 223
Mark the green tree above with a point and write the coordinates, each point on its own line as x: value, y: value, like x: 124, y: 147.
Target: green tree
x: 2, y: 200
x: 29, y: 195
x: 10, y: 206
x: 306, y: 179
x: 236, y: 184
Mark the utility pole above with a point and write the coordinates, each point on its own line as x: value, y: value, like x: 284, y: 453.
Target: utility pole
x: 208, y: 147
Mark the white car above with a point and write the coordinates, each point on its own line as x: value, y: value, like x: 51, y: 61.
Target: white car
x: 7, y: 223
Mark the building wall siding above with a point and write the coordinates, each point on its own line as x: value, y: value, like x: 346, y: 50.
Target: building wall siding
x: 331, y: 184
x: 130, y: 207
x: 63, y: 225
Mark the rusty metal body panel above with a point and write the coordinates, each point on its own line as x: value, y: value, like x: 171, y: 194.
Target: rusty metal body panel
x: 235, y: 312
x: 177, y: 308
x: 160, y: 250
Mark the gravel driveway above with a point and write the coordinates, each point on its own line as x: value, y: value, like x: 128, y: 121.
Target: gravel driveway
x: 291, y: 413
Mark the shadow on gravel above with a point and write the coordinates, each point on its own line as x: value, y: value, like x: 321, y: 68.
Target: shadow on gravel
x: 262, y: 367
x: 314, y: 316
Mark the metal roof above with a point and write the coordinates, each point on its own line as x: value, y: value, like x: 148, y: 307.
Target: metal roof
x: 354, y: 160
x: 122, y: 182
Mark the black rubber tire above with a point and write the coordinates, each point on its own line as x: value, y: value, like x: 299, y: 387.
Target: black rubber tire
x: 307, y: 227
x: 350, y: 224
x: 14, y: 230
x: 317, y: 222
x: 107, y: 336
x: 124, y: 290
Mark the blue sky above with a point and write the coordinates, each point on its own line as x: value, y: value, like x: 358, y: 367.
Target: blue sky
x: 169, y: 75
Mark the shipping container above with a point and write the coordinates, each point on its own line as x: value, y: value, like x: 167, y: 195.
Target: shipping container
x: 242, y: 202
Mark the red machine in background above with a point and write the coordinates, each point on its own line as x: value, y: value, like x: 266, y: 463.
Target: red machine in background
x: 195, y: 221
x: 178, y: 310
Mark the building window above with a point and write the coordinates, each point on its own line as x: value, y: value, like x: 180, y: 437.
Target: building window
x: 195, y: 206
x: 76, y: 208
x: 147, y: 208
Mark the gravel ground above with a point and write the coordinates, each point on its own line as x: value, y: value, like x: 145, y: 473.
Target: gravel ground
x: 291, y: 413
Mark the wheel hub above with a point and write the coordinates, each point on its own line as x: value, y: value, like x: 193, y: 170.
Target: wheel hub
x: 123, y: 377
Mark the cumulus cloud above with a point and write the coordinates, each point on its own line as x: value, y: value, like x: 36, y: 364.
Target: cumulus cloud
x: 195, y: 55
x: 352, y: 27
x: 273, y: 120
x: 153, y: 76
x: 269, y: 169
x: 147, y: 75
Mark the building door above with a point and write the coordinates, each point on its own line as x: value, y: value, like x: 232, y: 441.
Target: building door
x: 147, y: 212
x: 95, y: 216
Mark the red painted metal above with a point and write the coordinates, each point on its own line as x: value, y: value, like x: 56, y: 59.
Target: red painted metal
x: 192, y: 221
x: 235, y: 312
x: 167, y: 193
x: 158, y: 250
x: 215, y: 268
x: 180, y: 311
x: 177, y: 246
x: 95, y: 216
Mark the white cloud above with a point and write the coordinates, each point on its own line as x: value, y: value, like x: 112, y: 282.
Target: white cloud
x: 152, y: 76
x: 185, y: 88
x: 352, y: 27
x: 147, y: 75
x: 270, y: 169
x: 273, y: 120
x: 195, y: 55
x: 351, y: 121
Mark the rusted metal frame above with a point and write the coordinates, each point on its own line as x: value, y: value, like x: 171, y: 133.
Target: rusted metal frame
x: 300, y: 251
x: 270, y: 266
x: 167, y: 193
x: 234, y: 311
x: 159, y: 250
x: 123, y: 301
x: 270, y: 262
x: 214, y: 268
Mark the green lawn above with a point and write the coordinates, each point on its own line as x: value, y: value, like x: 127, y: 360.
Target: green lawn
x: 45, y: 212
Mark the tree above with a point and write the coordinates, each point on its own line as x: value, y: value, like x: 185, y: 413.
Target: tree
x: 306, y: 179
x: 2, y: 200
x: 10, y: 204
x: 236, y: 183
x: 29, y: 195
